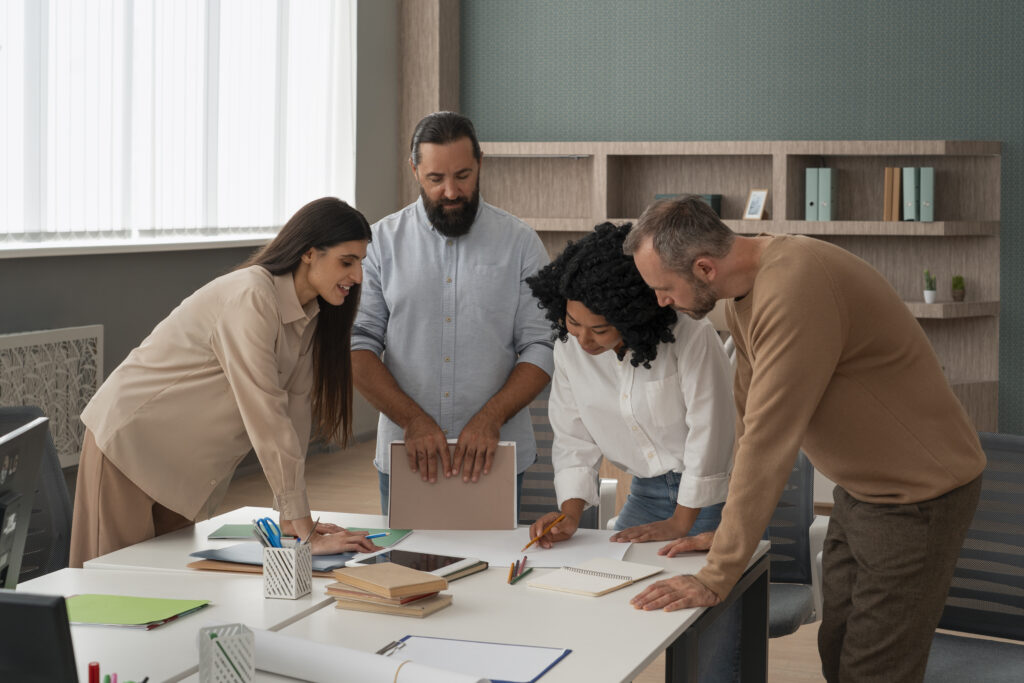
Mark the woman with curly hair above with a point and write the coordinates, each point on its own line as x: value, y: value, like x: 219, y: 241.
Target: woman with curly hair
x: 635, y: 384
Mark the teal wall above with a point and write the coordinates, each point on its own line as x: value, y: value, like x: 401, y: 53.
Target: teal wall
x: 752, y: 70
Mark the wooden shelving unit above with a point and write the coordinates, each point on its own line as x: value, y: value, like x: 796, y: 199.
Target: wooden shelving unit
x: 563, y: 189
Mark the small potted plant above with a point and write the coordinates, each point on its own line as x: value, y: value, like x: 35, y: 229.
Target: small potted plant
x: 958, y: 288
x: 929, y: 287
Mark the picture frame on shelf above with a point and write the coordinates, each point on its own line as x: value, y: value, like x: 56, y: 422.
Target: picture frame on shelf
x: 754, y: 208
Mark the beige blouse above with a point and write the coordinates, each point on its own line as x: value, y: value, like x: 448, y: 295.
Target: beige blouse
x: 228, y: 370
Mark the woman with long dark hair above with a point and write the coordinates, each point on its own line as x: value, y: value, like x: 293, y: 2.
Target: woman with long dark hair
x: 257, y: 358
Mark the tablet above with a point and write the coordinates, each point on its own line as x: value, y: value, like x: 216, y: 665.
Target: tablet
x: 441, y: 565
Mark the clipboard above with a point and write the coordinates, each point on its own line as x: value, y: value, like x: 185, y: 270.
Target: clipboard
x: 453, y: 504
x: 498, y: 662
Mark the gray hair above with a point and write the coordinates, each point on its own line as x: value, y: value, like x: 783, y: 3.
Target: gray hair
x: 681, y: 231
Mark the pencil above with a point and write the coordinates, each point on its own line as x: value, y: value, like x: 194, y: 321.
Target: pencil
x: 510, y: 568
x: 546, y: 529
x: 516, y: 580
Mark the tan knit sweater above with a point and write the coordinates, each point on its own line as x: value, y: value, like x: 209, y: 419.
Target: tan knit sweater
x: 831, y: 360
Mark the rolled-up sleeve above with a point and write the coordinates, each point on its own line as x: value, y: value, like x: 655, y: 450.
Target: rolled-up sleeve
x: 370, y: 327
x: 243, y: 342
x: 574, y: 455
x: 706, y: 383
x: 533, y: 336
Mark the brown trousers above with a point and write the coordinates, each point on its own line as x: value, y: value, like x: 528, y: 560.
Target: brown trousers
x: 886, y: 570
x: 111, y: 512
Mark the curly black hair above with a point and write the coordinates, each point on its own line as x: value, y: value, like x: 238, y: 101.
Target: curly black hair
x: 594, y: 271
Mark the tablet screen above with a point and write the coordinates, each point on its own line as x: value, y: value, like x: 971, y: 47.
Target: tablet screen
x: 423, y: 561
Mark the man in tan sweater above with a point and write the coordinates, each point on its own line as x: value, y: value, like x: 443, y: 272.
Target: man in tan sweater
x: 829, y: 359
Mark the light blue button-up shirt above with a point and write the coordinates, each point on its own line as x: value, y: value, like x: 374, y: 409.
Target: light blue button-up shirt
x: 451, y: 316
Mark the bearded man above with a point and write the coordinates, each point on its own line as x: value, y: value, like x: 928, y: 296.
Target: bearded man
x: 449, y: 342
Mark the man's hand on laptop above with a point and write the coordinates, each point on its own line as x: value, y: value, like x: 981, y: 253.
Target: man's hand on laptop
x: 474, y: 453
x: 426, y: 445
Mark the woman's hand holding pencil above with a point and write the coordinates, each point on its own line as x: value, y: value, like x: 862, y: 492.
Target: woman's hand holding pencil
x: 553, y: 528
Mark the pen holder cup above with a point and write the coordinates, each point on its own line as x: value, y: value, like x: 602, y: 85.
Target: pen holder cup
x: 230, y: 656
x: 288, y: 572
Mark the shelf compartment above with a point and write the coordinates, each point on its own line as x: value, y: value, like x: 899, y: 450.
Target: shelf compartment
x: 634, y: 179
x: 966, y: 187
x: 512, y: 183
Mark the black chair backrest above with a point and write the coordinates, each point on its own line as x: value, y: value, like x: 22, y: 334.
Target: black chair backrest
x: 790, y: 553
x: 539, y: 479
x: 987, y: 593
x: 48, y: 542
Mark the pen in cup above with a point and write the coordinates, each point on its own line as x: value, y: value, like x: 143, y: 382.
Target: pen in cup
x: 311, y: 532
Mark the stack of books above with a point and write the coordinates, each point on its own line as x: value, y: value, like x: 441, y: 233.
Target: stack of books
x: 389, y: 588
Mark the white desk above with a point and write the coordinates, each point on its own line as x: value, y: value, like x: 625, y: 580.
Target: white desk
x: 168, y: 652
x: 610, y: 641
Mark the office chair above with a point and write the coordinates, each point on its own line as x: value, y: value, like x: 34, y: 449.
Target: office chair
x: 987, y: 594
x: 794, y: 594
x: 539, y: 479
x: 48, y: 542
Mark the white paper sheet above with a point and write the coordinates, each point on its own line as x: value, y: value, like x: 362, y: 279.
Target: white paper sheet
x: 496, y: 661
x: 321, y: 663
x: 502, y: 548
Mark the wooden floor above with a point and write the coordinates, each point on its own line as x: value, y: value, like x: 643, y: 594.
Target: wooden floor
x: 345, y: 481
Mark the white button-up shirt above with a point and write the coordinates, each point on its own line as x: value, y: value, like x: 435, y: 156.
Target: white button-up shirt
x: 677, y: 416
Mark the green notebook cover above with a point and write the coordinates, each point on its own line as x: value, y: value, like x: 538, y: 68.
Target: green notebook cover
x: 125, y: 610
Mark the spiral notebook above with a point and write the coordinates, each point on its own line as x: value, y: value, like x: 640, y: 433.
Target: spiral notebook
x: 595, y: 577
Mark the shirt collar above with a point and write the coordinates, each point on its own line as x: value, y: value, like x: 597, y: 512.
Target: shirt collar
x: 288, y: 301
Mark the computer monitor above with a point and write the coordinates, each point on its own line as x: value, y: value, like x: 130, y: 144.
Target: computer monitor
x: 35, y: 639
x: 21, y: 452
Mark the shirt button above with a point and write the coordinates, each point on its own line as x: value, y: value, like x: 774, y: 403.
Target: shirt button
x: 447, y: 359
x: 447, y: 320
x: 446, y: 394
x: 650, y: 455
x: 635, y: 428
x: 449, y: 243
x: 625, y: 396
x: 445, y: 432
x: 213, y: 482
x: 449, y: 280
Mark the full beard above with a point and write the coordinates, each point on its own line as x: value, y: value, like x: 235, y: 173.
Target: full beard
x: 452, y: 222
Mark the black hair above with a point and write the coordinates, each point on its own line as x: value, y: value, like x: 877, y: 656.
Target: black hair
x: 321, y: 224
x: 595, y: 272
x: 442, y: 128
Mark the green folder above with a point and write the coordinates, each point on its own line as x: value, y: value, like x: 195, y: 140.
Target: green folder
x: 393, y: 535
x: 810, y: 194
x: 128, y: 611
x: 927, y: 194
x: 911, y: 190
x: 826, y: 194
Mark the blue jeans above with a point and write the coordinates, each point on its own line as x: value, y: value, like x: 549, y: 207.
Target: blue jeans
x: 384, y: 485
x: 654, y: 499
